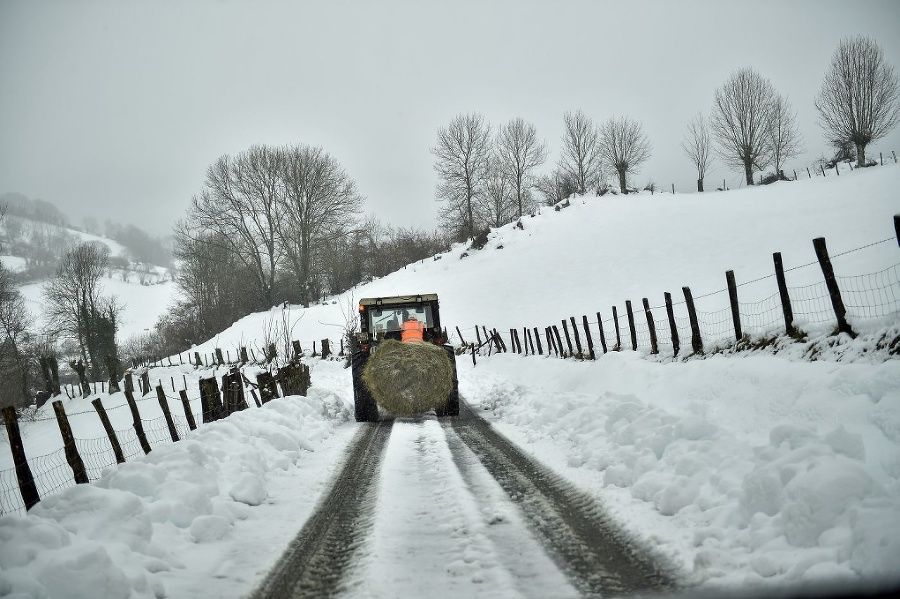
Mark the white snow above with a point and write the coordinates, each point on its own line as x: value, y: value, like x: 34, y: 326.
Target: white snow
x: 740, y: 469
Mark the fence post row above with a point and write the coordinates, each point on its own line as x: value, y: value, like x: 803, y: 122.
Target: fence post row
x: 72, y: 455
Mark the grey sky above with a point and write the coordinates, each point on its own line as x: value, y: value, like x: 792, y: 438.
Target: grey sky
x: 117, y: 107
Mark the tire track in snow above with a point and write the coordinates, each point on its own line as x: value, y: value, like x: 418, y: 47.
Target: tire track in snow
x: 315, y: 562
x: 587, y: 547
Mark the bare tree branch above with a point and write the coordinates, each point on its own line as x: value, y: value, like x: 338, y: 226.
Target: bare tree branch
x: 625, y: 146
x: 581, y: 151
x: 519, y: 153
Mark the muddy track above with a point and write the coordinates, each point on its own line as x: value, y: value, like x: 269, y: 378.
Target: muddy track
x: 585, y: 545
x: 315, y: 561
x: 590, y: 551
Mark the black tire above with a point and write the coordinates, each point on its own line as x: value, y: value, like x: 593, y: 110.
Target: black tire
x: 452, y: 406
x: 365, y: 407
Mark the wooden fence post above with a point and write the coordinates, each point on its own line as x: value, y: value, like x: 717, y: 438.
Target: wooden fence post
x: 897, y: 227
x: 602, y: 335
x: 110, y: 432
x: 618, y: 345
x: 188, y: 413
x: 735, y: 308
x: 577, y: 337
x: 220, y: 359
x: 145, y: 383
x: 537, y: 337
x: 785, y: 297
x: 551, y: 344
x: 461, y: 340
x: 512, y: 340
x: 298, y: 350
x: 164, y: 404
x: 529, y: 340
x: 630, y: 313
x: 673, y: 328
x: 136, y: 418
x: 268, y: 389
x: 210, y: 401
x: 696, y: 340
x: 244, y: 357
x: 326, y: 348
x: 23, y: 471
x: 559, y: 341
x: 568, y: 339
x: 197, y: 360
x: 654, y: 348
x: 831, y: 282
x: 72, y: 455
x: 587, y: 337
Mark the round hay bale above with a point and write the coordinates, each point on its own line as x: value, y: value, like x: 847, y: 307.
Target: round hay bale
x: 409, y: 378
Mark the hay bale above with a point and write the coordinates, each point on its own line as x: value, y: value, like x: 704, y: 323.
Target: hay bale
x: 409, y: 378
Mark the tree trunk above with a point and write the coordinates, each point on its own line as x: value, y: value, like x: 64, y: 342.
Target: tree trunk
x: 748, y: 171
x: 699, y: 184
x: 860, y: 155
x: 622, y: 181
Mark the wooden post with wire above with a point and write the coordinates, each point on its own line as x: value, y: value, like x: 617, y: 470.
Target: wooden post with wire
x: 72, y: 455
x: 631, y: 328
x: 110, y: 432
x: 602, y: 335
x: 785, y: 297
x: 24, y: 477
x: 654, y: 348
x: 673, y: 328
x: 136, y: 421
x: 167, y: 414
x: 834, y: 291
x: 735, y: 308
x: 696, y: 340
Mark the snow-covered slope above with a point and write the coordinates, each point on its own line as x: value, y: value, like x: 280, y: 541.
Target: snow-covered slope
x: 740, y: 469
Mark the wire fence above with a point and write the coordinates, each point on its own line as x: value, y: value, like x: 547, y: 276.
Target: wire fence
x: 870, y: 297
x: 34, y: 477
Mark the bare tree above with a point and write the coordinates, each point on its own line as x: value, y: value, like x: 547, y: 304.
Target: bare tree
x: 240, y: 204
x: 499, y: 204
x: 784, y: 135
x: 519, y: 152
x: 581, y: 151
x: 15, y: 343
x: 556, y: 186
x: 625, y: 146
x: 320, y: 203
x: 461, y: 161
x: 860, y: 97
x: 77, y: 309
x: 696, y: 146
x: 740, y: 121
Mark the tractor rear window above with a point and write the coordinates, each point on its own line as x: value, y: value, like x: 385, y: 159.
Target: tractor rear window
x: 387, y: 319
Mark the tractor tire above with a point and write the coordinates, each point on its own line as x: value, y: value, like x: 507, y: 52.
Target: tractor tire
x: 452, y: 406
x: 366, y: 409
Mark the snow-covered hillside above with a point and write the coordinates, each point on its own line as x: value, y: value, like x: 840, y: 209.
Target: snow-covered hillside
x: 738, y: 469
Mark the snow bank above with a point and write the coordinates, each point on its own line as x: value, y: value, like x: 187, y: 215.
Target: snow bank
x: 120, y: 536
x: 753, y: 470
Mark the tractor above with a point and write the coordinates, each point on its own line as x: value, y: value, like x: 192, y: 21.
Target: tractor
x: 383, y: 318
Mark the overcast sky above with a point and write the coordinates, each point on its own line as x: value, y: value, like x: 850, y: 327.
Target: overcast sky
x: 116, y: 108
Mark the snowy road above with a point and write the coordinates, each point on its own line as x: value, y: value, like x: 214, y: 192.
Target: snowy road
x: 461, y: 512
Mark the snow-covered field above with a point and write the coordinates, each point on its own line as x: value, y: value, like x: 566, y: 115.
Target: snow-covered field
x: 740, y: 469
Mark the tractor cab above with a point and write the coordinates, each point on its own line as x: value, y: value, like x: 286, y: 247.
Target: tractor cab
x: 383, y: 318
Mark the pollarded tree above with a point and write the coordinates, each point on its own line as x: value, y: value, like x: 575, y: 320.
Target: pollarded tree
x: 860, y: 97
x: 696, y: 146
x: 461, y: 156
x: 740, y: 121
x: 625, y: 146
x: 784, y: 136
x: 581, y: 151
x: 519, y: 152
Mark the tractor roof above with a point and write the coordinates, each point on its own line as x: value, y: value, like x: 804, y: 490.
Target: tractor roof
x: 398, y: 299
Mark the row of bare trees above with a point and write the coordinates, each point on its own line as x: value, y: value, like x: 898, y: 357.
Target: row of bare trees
x: 754, y: 127
x: 273, y: 225
x: 489, y: 179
